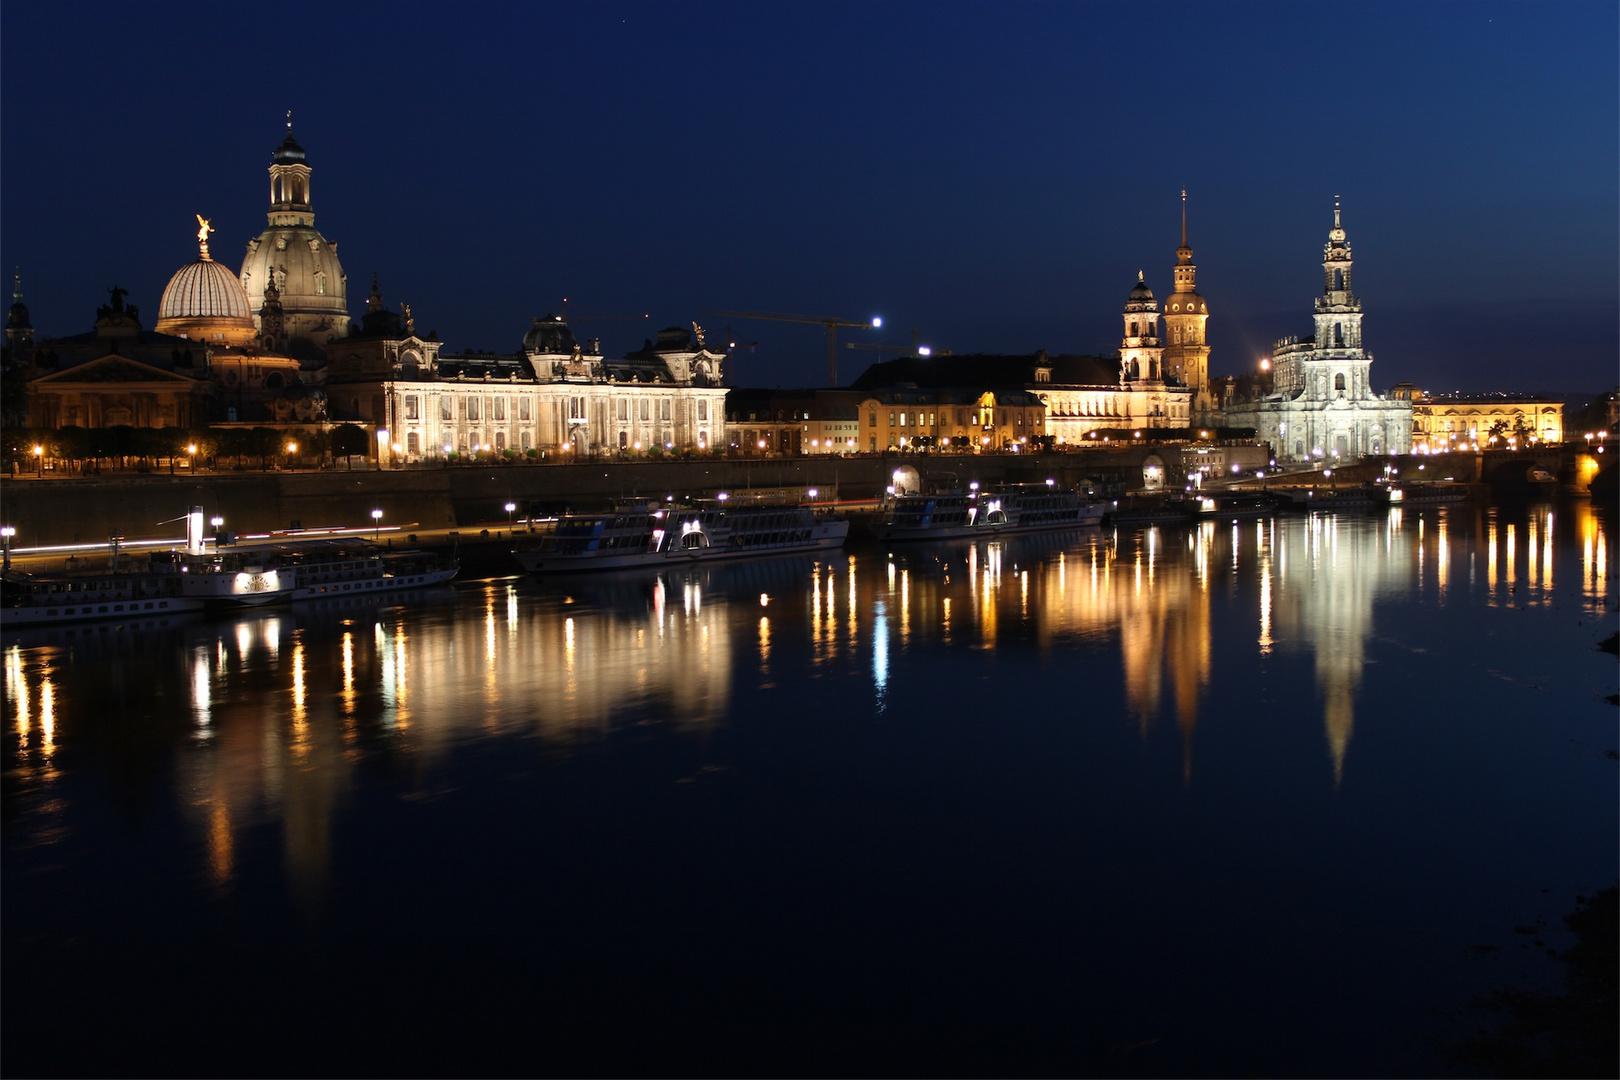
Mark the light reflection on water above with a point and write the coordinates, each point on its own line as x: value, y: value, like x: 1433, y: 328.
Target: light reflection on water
x: 569, y: 662
x: 276, y: 716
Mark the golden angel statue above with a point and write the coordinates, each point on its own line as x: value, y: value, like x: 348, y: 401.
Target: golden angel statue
x: 204, y: 227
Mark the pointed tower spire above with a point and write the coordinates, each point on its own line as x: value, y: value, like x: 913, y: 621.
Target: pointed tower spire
x: 1183, y: 217
x: 16, y: 285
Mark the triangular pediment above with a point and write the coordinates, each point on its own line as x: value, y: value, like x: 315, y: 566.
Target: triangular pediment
x: 114, y: 369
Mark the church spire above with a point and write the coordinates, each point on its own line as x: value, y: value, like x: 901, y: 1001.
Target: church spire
x: 1184, y: 253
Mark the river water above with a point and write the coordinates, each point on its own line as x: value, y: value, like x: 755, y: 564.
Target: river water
x: 1266, y: 797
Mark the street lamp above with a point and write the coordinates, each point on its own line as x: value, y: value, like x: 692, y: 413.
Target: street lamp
x: 376, y: 524
x: 39, y: 460
x: 6, y: 533
x: 509, y: 508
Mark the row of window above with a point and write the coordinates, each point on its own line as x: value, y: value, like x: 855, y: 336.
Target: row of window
x: 472, y: 408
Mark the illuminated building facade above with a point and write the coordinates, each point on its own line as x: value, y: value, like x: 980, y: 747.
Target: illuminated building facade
x: 1322, y: 406
x: 1446, y: 422
x: 553, y: 396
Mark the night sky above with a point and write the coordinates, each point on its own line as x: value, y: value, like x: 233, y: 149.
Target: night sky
x: 993, y: 175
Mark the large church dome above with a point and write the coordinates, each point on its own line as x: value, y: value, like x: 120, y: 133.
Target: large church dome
x: 204, y: 301
x: 300, y: 262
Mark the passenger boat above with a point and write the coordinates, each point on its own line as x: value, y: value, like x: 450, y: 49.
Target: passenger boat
x: 1428, y: 493
x: 1232, y: 505
x: 171, y: 582
x: 985, y: 513
x: 645, y: 536
x: 1151, y: 509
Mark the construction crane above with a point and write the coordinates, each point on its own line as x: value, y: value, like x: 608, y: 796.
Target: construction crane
x: 831, y: 322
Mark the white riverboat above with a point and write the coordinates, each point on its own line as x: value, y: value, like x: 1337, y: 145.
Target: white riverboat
x: 173, y: 582
x: 1036, y: 508
x: 678, y: 534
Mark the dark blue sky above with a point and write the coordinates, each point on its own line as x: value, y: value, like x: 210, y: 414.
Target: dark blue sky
x: 993, y: 175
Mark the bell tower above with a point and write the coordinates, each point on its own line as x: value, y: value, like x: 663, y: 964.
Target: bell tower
x: 1186, y: 351
x: 1338, y: 310
x: 289, y: 184
x: 1140, y: 354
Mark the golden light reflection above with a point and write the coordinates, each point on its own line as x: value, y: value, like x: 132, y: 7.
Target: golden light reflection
x: 1490, y: 561
x: 1442, y: 558
x: 402, y: 682
x: 1511, y: 560
x: 47, y: 717
x: 1265, y: 605
x: 905, y: 607
x: 582, y: 667
x: 300, y: 717
x: 201, y: 691
x: 17, y: 691
x: 1547, y: 554
x: 852, y: 606
x: 348, y: 674
x: 221, y: 845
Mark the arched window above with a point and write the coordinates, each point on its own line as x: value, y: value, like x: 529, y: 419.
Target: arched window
x: 413, y: 443
x: 1338, y: 383
x: 1338, y: 279
x: 1133, y: 330
x: 1338, y: 335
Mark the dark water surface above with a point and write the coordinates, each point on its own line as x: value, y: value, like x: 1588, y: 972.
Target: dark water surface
x: 1255, y: 799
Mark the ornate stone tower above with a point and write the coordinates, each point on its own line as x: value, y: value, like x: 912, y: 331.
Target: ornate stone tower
x: 1140, y: 353
x: 1186, y: 353
x: 300, y: 262
x: 1338, y: 310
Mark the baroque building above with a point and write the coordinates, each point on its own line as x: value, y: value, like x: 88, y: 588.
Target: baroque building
x: 205, y: 362
x: 552, y: 396
x: 1186, y: 315
x: 1322, y: 406
x: 293, y: 267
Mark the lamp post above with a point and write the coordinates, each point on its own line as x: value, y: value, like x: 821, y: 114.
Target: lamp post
x: 39, y: 461
x: 511, y: 506
x: 219, y: 524
x: 191, y: 457
x: 292, y: 448
x: 6, y: 533
x: 376, y: 524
